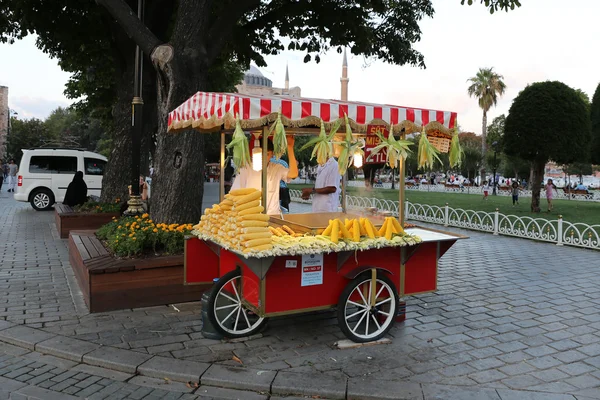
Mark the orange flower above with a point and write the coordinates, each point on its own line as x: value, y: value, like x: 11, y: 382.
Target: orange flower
x: 155, y: 230
x: 134, y: 238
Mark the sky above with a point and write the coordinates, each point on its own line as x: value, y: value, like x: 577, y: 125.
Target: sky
x: 541, y: 40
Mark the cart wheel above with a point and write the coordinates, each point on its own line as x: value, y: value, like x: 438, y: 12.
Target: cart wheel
x: 360, y: 320
x: 228, y: 313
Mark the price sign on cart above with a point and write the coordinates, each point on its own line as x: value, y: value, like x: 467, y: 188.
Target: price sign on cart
x: 372, y: 141
x: 312, y: 270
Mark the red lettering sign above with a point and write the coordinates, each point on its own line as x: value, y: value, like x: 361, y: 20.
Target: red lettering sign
x: 372, y: 141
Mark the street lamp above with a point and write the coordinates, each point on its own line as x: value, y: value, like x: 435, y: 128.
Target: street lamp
x: 10, y: 112
x: 135, y: 201
x: 495, y: 146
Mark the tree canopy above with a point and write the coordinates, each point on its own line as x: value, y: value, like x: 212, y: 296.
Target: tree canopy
x: 595, y: 117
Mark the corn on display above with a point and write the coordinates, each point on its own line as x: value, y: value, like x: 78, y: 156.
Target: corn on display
x: 427, y: 152
x: 237, y: 223
x: 241, y: 151
x: 279, y: 138
x: 323, y: 146
x: 456, y: 153
x: 349, y: 147
x: 396, y: 149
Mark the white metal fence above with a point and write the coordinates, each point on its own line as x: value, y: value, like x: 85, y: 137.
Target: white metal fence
x: 556, y: 231
x: 592, y: 196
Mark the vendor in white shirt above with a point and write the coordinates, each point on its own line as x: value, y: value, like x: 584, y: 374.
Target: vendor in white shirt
x: 249, y: 178
x: 326, y: 196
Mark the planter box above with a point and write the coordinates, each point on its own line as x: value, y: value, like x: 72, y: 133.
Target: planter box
x: 68, y: 220
x: 109, y: 283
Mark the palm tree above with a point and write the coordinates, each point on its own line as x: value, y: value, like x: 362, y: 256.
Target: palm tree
x: 486, y: 86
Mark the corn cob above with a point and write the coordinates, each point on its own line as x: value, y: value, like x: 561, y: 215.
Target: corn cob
x: 288, y: 229
x: 327, y: 230
x: 396, y: 149
x: 335, y: 226
x: 258, y: 242
x: 323, y: 147
x: 241, y: 192
x: 247, y: 205
x: 427, y: 153
x: 259, y: 235
x: 255, y: 217
x: 263, y: 247
x: 356, y: 233
x: 241, y: 151
x: 279, y: 138
x: 456, y: 153
x: 247, y: 198
x: 370, y: 229
x: 274, y: 231
x: 249, y: 224
x: 253, y: 210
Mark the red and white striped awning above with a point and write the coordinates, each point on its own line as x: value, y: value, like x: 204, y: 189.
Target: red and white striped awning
x: 209, y: 111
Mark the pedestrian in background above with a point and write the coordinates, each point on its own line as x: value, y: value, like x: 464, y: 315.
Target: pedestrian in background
x: 13, y: 170
x: 515, y: 193
x: 486, y: 189
x: 549, y: 194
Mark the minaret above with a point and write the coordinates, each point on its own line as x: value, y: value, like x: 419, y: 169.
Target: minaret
x: 287, y: 78
x: 344, y: 80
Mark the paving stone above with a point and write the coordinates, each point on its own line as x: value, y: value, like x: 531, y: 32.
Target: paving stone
x: 111, y: 374
x: 66, y: 347
x: 24, y: 336
x: 238, y: 378
x: 10, y: 385
x: 370, y: 389
x: 438, y: 392
x: 177, y: 370
x: 118, y: 359
x: 308, y: 384
x: 210, y: 392
x: 507, y: 394
x: 160, y: 383
x: 45, y: 394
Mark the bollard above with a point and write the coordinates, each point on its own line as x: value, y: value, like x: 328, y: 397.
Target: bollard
x: 208, y: 329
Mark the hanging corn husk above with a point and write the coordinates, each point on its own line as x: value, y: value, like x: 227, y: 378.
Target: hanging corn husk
x: 427, y: 152
x: 323, y: 146
x: 241, y: 151
x: 349, y: 148
x: 396, y: 149
x: 279, y: 138
x: 456, y: 152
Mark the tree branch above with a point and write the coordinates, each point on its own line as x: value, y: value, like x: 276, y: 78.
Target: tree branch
x: 221, y: 30
x: 131, y: 24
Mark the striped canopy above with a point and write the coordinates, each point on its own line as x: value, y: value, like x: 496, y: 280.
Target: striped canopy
x: 209, y: 111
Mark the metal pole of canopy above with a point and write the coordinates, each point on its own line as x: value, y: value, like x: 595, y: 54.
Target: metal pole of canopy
x: 222, y: 173
x: 265, y: 163
x: 401, y: 171
x: 344, y: 184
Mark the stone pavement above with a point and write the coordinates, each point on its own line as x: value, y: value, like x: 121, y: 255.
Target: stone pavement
x: 512, y: 319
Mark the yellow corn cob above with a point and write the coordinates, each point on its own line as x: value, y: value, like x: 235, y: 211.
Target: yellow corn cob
x: 258, y: 242
x: 389, y: 230
x: 281, y: 232
x: 274, y: 231
x: 288, y: 229
x: 254, y: 230
x: 255, y: 217
x: 258, y: 248
x: 397, y: 227
x: 248, y: 224
x: 327, y: 230
x: 348, y: 223
x: 345, y: 232
x: 247, y: 198
x: 250, y: 204
x: 356, y: 231
x: 370, y: 229
x: 259, y: 235
x: 335, y: 227
x: 381, y: 231
x: 241, y: 192
x: 253, y: 210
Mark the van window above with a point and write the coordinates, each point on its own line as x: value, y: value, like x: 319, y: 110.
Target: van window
x: 94, y: 166
x: 52, y: 165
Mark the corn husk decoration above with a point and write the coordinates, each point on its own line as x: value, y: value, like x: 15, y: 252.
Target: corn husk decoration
x: 279, y: 138
x: 427, y: 152
x: 456, y: 152
x: 349, y: 149
x: 396, y: 149
x: 323, y: 146
x: 241, y: 151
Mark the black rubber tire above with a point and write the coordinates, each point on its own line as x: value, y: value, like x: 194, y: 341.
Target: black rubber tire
x: 211, y: 308
x: 41, y: 192
x: 341, y: 308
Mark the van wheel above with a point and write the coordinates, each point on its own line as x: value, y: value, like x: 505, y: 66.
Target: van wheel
x: 42, y: 200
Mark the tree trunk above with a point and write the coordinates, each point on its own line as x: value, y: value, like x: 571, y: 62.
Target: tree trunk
x: 483, y: 144
x: 179, y: 157
x: 536, y: 184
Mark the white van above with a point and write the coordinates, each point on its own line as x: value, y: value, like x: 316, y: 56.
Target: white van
x: 45, y: 174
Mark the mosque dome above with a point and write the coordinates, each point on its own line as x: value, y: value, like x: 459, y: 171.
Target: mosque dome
x: 256, y: 78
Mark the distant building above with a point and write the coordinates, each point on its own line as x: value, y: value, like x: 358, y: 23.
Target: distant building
x: 4, y: 120
x: 255, y: 83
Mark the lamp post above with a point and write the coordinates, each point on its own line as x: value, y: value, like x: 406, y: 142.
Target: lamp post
x: 10, y: 112
x: 137, y: 104
x: 495, y: 146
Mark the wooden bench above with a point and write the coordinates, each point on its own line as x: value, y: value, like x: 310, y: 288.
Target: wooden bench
x: 68, y: 219
x: 109, y: 283
x: 574, y: 193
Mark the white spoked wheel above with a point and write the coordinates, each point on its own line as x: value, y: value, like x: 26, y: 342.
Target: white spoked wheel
x: 367, y: 309
x: 227, y: 311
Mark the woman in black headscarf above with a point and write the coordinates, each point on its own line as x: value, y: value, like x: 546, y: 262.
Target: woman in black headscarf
x: 77, y: 191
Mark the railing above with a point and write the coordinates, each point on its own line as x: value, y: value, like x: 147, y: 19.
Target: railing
x: 556, y: 231
x: 561, y: 195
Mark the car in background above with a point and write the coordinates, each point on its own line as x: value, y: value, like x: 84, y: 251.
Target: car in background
x: 45, y: 174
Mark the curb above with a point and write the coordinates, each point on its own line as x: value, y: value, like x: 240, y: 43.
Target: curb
x: 265, y: 382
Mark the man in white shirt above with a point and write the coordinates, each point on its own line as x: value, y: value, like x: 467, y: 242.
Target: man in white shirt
x: 326, y: 196
x: 249, y: 178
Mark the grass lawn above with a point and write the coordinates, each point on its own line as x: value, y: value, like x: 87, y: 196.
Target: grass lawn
x: 571, y: 210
